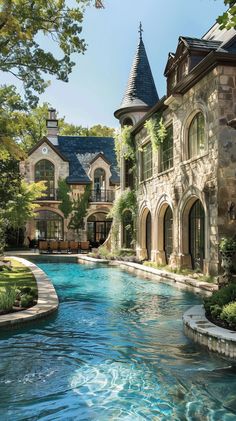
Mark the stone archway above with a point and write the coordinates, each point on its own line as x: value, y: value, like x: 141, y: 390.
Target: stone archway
x: 145, y: 235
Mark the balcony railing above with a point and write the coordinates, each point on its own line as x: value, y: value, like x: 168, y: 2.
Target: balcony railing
x: 102, y: 196
x: 49, y: 195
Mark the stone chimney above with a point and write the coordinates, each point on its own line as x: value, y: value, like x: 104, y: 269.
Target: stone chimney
x: 52, y: 126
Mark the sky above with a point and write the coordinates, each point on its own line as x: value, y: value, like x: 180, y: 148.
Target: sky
x: 98, y: 81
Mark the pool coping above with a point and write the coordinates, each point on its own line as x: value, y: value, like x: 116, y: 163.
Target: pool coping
x: 47, y: 299
x: 161, y: 275
x: 198, y: 328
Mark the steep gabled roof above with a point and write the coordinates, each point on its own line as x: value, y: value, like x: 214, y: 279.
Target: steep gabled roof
x: 141, y: 90
x: 54, y: 148
x: 199, y: 43
x: 80, y: 151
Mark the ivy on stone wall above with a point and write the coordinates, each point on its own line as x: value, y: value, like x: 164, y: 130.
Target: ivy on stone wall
x: 156, y: 130
x: 127, y: 201
x: 124, y: 145
x: 64, y: 195
x: 79, y: 210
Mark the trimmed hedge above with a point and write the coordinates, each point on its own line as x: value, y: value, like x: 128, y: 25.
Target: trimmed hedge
x: 221, y: 306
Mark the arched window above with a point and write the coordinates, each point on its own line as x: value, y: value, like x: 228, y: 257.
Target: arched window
x: 127, y: 122
x: 168, y: 233
x: 127, y: 222
x: 149, y: 235
x: 98, y: 227
x: 197, y: 234
x: 45, y: 171
x: 49, y: 225
x: 196, y: 136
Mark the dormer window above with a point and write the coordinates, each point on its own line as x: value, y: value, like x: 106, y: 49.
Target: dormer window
x: 183, y: 68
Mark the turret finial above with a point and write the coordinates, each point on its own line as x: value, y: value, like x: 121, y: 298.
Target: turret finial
x: 140, y: 30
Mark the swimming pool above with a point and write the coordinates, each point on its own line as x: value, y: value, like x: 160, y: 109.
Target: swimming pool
x: 114, y: 351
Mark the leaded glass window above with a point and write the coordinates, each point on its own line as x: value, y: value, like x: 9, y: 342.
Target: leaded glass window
x: 196, y: 136
x: 49, y: 226
x: 197, y: 234
x: 44, y: 171
x: 146, y: 162
x: 166, y: 151
x: 168, y: 233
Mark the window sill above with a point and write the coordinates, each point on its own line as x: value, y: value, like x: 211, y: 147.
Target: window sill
x: 165, y: 172
x: 194, y: 158
x: 147, y: 180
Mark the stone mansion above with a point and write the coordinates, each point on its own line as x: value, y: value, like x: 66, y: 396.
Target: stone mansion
x: 186, y: 190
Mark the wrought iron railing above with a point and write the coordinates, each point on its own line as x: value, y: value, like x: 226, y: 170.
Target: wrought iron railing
x: 51, y: 194
x: 102, y: 196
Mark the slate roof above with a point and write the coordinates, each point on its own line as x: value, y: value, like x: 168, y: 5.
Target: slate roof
x: 80, y: 151
x: 199, y: 43
x: 141, y: 89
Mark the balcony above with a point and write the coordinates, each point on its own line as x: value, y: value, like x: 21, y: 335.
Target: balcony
x: 107, y: 196
x: 49, y: 196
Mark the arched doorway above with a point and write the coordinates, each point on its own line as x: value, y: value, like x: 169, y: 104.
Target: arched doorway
x: 197, y: 234
x: 168, y: 233
x: 45, y: 171
x: 149, y: 235
x: 98, y: 228
x: 48, y: 225
x: 127, y: 223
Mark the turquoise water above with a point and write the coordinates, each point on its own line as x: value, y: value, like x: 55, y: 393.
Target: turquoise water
x: 114, y: 351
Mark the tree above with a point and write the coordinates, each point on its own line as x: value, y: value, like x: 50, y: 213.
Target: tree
x: 64, y: 196
x: 23, y: 23
x: 21, y: 208
x: 228, y: 19
x: 80, y: 206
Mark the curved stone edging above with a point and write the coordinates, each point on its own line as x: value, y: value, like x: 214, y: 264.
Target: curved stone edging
x: 198, y: 328
x: 47, y: 299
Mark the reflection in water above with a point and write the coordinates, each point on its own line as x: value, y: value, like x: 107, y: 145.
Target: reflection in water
x: 114, y: 351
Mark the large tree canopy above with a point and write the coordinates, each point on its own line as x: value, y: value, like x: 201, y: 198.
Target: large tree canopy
x: 24, y: 23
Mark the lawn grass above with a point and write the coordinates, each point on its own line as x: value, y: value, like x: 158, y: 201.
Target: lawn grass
x: 20, y: 276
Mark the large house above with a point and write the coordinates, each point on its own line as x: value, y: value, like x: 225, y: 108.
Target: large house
x: 81, y: 162
x: 186, y: 189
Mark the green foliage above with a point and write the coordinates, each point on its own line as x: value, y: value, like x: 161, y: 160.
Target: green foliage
x: 7, y: 298
x: 21, y: 207
x: 68, y: 129
x: 222, y: 297
x: 27, y: 300
x: 64, y: 195
x: 156, y: 130
x: 23, y: 24
x: 228, y: 314
x: 124, y: 145
x: 228, y: 19
x: 227, y: 244
x: 127, y: 201
x: 79, y: 210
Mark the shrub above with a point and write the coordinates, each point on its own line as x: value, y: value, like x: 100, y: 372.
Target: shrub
x: 221, y: 297
x: 215, y: 310
x: 7, y: 298
x: 227, y: 245
x: 27, y: 300
x: 228, y: 314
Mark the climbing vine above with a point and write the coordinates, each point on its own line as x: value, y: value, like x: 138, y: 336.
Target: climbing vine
x: 79, y: 209
x: 127, y: 201
x: 156, y: 130
x: 124, y: 145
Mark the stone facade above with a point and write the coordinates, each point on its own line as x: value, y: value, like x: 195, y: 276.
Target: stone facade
x: 206, y: 178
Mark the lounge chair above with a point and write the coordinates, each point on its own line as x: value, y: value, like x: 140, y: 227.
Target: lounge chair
x: 44, y: 247
x: 84, y: 246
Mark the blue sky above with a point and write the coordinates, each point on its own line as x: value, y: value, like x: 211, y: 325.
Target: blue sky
x: 98, y: 81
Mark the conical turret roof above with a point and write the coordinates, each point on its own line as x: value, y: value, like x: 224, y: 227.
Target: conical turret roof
x: 141, y: 90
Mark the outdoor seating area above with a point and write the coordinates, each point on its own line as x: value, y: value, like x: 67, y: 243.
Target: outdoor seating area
x: 54, y: 246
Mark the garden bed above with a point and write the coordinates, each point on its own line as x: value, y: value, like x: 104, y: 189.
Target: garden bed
x: 18, y: 287
x: 221, y: 307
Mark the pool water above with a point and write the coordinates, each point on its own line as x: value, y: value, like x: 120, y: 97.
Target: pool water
x: 114, y: 351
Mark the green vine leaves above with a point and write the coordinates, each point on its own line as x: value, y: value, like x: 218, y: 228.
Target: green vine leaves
x: 124, y: 145
x: 156, y: 130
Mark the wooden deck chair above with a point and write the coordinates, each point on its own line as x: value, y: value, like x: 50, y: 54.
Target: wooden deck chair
x: 74, y: 247
x: 64, y: 246
x: 53, y: 246
x: 44, y: 247
x: 84, y: 246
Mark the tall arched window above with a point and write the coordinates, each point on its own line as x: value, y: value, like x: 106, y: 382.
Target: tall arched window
x: 196, y: 136
x: 168, y: 233
x: 45, y: 171
x: 149, y: 235
x: 197, y: 234
x: 49, y: 225
x: 127, y: 223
